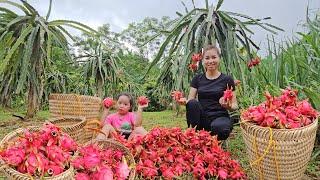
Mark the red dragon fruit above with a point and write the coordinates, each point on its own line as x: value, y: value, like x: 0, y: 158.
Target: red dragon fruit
x: 196, y: 57
x: 167, y: 153
x: 123, y: 170
x: 82, y: 176
x: 176, y: 95
x: 193, y: 67
x: 284, y: 111
x: 67, y: 143
x: 105, y: 173
x: 143, y: 100
x: 228, y: 94
x: 108, y: 102
x: 100, y: 163
x: 41, y: 153
x: 54, y: 169
x: 14, y: 156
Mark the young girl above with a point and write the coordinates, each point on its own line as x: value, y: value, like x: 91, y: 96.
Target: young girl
x: 124, y: 121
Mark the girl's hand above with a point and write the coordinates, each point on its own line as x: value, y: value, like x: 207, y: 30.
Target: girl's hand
x: 143, y: 102
x: 141, y: 107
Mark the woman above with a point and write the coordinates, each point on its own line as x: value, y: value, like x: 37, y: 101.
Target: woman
x: 210, y: 111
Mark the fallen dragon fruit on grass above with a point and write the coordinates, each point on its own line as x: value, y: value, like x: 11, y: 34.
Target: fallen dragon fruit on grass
x: 95, y: 162
x: 282, y: 112
x: 170, y: 153
x: 42, y: 153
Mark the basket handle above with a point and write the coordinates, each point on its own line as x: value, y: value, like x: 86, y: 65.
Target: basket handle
x: 95, y: 122
x: 95, y: 130
x: 272, y: 146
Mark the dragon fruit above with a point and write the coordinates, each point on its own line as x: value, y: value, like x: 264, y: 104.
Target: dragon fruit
x: 41, y: 153
x: 284, y: 111
x: 108, y: 102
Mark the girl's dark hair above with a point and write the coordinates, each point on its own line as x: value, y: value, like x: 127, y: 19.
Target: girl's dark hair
x: 210, y: 47
x: 130, y: 99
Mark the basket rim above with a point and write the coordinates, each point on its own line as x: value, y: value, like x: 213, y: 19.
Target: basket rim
x: 52, y: 95
x: 249, y: 123
x: 125, y: 149
x: 15, y: 132
x: 111, y: 141
x: 81, y: 119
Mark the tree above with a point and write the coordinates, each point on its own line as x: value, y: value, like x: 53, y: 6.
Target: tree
x: 29, y: 38
x: 144, y: 37
x: 99, y: 64
x: 197, y: 28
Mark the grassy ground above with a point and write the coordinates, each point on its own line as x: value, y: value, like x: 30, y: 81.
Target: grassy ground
x: 152, y: 119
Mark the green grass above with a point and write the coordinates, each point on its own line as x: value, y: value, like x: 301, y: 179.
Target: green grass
x: 163, y: 119
x: 313, y: 168
x: 4, y: 115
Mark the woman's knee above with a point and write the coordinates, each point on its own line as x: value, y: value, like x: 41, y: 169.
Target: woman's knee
x: 193, y: 113
x: 192, y: 103
x: 221, y: 127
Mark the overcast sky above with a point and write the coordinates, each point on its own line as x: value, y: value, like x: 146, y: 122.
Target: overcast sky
x: 286, y: 14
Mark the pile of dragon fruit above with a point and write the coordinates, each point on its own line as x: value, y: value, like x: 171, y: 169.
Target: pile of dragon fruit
x: 50, y: 152
x: 170, y: 153
x: 43, y: 153
x: 95, y: 162
x: 283, y: 112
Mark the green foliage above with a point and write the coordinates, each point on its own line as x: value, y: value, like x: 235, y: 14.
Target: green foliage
x: 292, y: 64
x: 135, y: 65
x: 196, y: 29
x: 144, y: 36
x: 26, y: 58
x: 99, y: 65
x: 154, y: 104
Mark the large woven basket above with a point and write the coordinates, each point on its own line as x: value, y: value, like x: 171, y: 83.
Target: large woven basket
x: 61, y: 105
x: 283, y: 155
x: 71, y: 125
x: 11, y: 173
x: 114, y: 145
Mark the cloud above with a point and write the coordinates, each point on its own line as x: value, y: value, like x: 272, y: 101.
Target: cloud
x: 118, y: 23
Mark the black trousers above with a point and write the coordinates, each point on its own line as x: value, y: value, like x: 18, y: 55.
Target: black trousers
x: 218, y: 125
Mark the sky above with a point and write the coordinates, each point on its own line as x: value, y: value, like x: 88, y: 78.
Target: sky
x: 287, y: 14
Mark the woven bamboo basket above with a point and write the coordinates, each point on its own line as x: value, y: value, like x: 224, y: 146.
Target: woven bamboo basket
x: 279, y: 153
x: 114, y: 145
x: 71, y: 125
x: 11, y: 173
x: 61, y: 105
